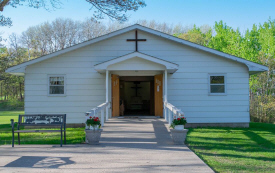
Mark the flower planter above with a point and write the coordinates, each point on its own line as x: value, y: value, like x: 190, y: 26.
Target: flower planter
x: 93, y: 136
x: 178, y: 136
x: 95, y: 127
x: 179, y: 127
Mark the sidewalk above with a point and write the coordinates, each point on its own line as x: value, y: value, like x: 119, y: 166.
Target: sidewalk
x: 127, y: 145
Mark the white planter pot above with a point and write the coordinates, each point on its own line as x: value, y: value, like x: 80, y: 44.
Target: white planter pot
x: 178, y: 136
x: 179, y: 127
x: 96, y: 127
x: 93, y: 136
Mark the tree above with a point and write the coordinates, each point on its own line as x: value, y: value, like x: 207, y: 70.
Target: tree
x: 11, y: 86
x: 114, y: 9
x: 227, y: 40
x: 199, y: 35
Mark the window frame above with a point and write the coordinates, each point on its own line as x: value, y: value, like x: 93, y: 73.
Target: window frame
x: 225, y: 84
x: 65, y: 84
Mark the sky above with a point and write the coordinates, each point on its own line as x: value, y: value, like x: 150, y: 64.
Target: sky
x: 241, y: 14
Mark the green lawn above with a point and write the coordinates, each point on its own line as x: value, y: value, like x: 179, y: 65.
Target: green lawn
x: 235, y: 149
x: 6, y: 116
x: 11, y: 105
x: 74, y: 135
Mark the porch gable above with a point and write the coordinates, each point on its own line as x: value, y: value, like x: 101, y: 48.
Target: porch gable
x: 154, y: 63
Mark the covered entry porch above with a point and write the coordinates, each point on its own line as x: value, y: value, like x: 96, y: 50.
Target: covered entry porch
x: 136, y: 68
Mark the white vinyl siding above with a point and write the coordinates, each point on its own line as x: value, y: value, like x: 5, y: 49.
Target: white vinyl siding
x: 187, y: 88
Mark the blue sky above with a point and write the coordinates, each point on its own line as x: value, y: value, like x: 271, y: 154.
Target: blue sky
x: 240, y: 14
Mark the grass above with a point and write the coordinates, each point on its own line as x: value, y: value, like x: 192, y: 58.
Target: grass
x: 5, y: 116
x: 11, y: 105
x: 235, y: 149
x: 74, y: 135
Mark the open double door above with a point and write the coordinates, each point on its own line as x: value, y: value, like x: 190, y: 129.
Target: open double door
x: 158, y: 95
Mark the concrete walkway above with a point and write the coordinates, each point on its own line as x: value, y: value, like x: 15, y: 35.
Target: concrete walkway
x: 127, y: 145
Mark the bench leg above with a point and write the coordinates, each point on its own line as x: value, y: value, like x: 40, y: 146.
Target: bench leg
x: 61, y: 138
x: 18, y: 138
x: 12, y: 139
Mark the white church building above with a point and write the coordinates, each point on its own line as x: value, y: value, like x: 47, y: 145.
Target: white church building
x: 140, y: 71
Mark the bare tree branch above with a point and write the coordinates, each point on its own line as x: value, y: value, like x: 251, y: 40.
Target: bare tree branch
x: 3, y: 4
x: 114, y: 9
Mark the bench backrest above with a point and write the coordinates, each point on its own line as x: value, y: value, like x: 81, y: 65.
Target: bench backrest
x: 42, y: 119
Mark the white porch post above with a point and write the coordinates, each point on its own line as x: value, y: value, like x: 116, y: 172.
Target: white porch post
x: 102, y: 117
x: 165, y: 113
x: 165, y: 96
x: 165, y: 76
x: 107, y: 94
x: 169, y: 117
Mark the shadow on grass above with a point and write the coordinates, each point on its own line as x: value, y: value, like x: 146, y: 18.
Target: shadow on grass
x: 262, y: 142
x: 238, y: 156
x: 6, y: 128
x: 232, y: 140
x: 230, y: 144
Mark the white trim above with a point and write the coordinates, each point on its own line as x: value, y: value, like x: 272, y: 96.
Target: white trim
x: 165, y: 95
x: 110, y: 95
x: 225, y: 84
x: 138, y: 73
x: 107, y: 86
x: 65, y: 83
x: 165, y: 80
x: 251, y: 65
x: 102, y: 67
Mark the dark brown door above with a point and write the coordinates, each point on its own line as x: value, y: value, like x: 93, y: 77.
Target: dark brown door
x: 158, y: 82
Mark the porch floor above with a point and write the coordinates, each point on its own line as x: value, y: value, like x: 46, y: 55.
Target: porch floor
x: 127, y: 145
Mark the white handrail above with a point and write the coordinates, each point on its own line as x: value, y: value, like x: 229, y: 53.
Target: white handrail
x: 99, y: 109
x: 171, y: 111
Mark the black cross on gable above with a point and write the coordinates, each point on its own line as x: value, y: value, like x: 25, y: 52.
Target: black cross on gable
x: 136, y: 40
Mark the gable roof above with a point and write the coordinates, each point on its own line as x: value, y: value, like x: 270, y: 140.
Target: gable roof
x: 171, y: 67
x: 253, y: 67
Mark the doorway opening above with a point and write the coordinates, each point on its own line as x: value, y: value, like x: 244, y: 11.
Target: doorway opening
x: 136, y: 95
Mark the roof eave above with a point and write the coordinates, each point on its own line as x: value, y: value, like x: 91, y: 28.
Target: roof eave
x: 72, y: 48
x: 250, y: 64
x: 256, y: 67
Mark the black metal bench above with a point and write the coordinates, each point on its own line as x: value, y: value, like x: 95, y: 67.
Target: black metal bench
x: 40, y: 120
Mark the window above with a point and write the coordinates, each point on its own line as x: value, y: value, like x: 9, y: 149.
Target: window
x: 217, y: 84
x: 56, y: 85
